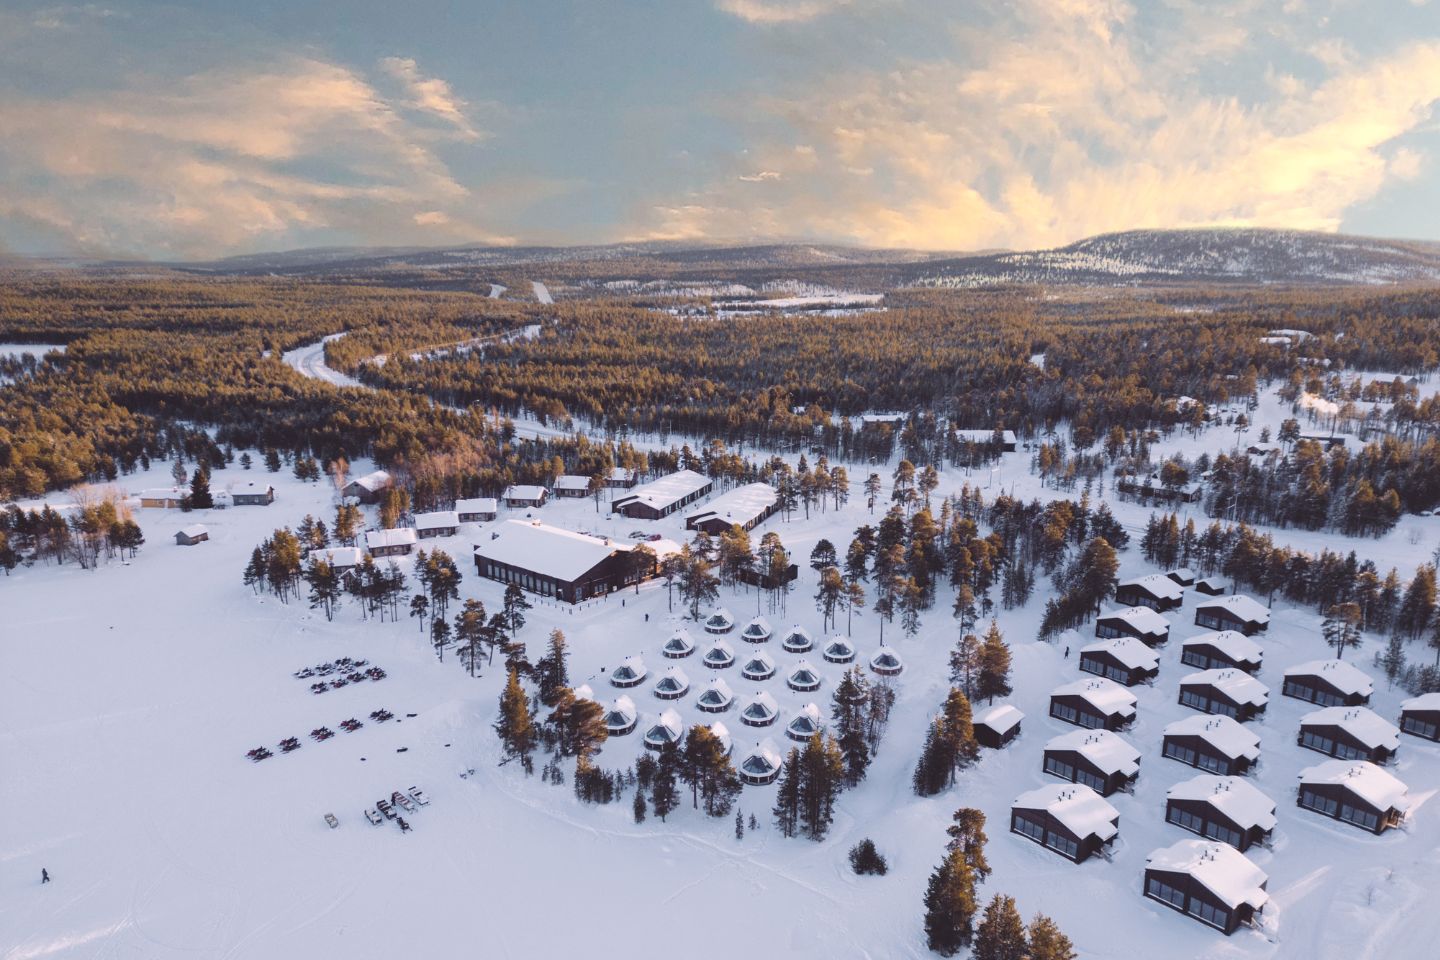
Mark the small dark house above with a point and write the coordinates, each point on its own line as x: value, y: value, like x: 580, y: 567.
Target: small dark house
x: 1156, y: 591
x: 1212, y: 882
x: 1071, y: 819
x: 1356, y: 792
x: 1420, y: 716
x: 1214, y: 744
x: 1097, y: 703
x: 1349, y: 733
x: 1219, y: 649
x: 1235, y: 612
x: 996, y: 726
x: 1328, y: 683
x: 1228, y: 693
x: 1142, y: 623
x: 1228, y: 809
x: 1103, y: 761
x: 1122, y: 659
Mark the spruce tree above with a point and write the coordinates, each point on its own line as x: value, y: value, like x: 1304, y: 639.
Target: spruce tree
x: 822, y: 774
x: 967, y: 835
x: 200, y: 497
x: 515, y: 727
x: 551, y: 671
x: 787, y: 795
x: 664, y: 797
x: 1001, y: 933
x: 739, y: 825
x: 1047, y: 942
x: 866, y: 860
x: 932, y: 770
x: 950, y: 905
x: 849, y: 711
x: 637, y: 807
x: 994, y: 679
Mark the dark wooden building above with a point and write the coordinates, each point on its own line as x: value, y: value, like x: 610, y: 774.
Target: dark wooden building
x: 1142, y: 623
x: 1122, y: 659
x: 1355, y: 792
x: 1094, y: 704
x: 1156, y: 591
x: 556, y: 563
x: 1234, y: 612
x: 1349, y: 733
x: 251, y: 493
x: 1214, y: 744
x: 477, y: 509
x: 996, y: 726
x: 1227, y: 693
x: 660, y: 498
x: 1219, y: 649
x: 1228, y: 809
x: 1328, y: 683
x: 1211, y: 882
x: 1071, y: 819
x: 1103, y: 761
x: 1420, y: 716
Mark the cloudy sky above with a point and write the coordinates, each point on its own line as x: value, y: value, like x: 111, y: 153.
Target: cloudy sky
x: 214, y: 127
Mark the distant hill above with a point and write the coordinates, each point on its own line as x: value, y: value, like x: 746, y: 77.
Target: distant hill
x: 1282, y: 257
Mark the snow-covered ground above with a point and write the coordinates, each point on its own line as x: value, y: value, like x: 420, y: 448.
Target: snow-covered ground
x: 131, y: 694
x: 542, y: 292
x: 29, y: 349
x: 310, y: 360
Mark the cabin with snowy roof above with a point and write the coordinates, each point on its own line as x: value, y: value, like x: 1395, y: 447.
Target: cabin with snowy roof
x: 554, y: 562
x: 745, y: 507
x: 619, y: 478
x: 1071, y: 819
x: 1214, y: 744
x: 396, y: 542
x: 1227, y: 693
x: 1420, y: 716
x: 369, y: 488
x: 1211, y: 882
x: 440, y: 523
x: 1231, y: 810
x: 1156, y: 591
x: 1122, y: 659
x: 1142, y: 623
x: 1235, y: 612
x: 1095, y: 704
x: 1219, y: 649
x: 660, y: 498
x: 571, y: 486
x: 1103, y: 761
x: 1328, y: 683
x: 1211, y: 587
x: 477, y: 509
x: 1349, y: 733
x: 170, y: 498
x: 996, y: 726
x: 1355, y: 792
x: 1183, y: 576
x: 191, y: 535
x: 251, y: 493
x: 521, y: 496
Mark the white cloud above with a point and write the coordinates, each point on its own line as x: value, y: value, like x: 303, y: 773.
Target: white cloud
x: 780, y: 11
x: 229, y: 159
x: 760, y: 177
x: 431, y: 95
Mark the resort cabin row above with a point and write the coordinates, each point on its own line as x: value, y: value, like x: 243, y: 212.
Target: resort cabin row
x: 240, y: 493
x: 660, y: 498
x: 558, y: 563
x: 575, y: 486
x: 745, y: 507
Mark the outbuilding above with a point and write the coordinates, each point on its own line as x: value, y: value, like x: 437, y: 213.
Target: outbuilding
x: 251, y: 493
x: 1211, y: 587
x: 441, y: 523
x: 396, y: 542
x: 1231, y: 810
x: 1142, y: 623
x: 1122, y: 659
x: 1071, y: 819
x: 1214, y: 744
x: 369, y: 488
x: 520, y: 496
x: 477, y: 509
x: 1183, y: 576
x: 571, y: 486
x: 1349, y: 733
x: 1103, y: 761
x: 1235, y: 612
x: 1227, y: 693
x: 1328, y: 683
x: 1095, y: 704
x: 191, y: 535
x: 1420, y: 716
x: 660, y: 498
x: 1156, y: 591
x: 1356, y: 792
x: 1218, y: 649
x: 996, y: 726
x: 1209, y: 881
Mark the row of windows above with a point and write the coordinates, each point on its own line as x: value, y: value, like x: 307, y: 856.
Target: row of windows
x: 1205, y: 704
x: 1206, y: 828
x: 1063, y: 711
x: 1197, y: 908
x: 1420, y: 728
x: 1055, y: 841
x: 1105, y: 670
x: 1303, y: 692
x: 1205, y: 761
x: 1074, y: 774
x: 1317, y: 741
x: 1195, y: 658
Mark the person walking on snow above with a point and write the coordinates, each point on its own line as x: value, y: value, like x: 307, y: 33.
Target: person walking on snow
x: 44, y: 875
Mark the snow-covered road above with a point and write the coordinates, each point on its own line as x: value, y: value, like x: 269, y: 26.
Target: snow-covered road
x: 310, y: 361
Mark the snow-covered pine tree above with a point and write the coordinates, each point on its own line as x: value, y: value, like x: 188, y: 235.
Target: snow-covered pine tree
x: 1001, y: 933
x: 950, y: 905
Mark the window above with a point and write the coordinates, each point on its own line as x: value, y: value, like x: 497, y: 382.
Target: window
x: 1118, y: 675
x: 1091, y: 666
x: 1059, y: 768
x: 1316, y: 741
x: 1346, y: 752
x: 1223, y: 708
x: 1090, y: 780
x: 1063, y: 711
x: 1212, y: 763
x: 1195, y: 701
x: 1317, y: 802
x: 1035, y: 831
x: 1186, y: 819
x: 1214, y: 916
x: 1165, y: 893
x: 1359, y: 817
x: 1090, y: 720
x: 1218, y: 831
x: 1175, y: 751
x: 1195, y: 659
x: 1300, y: 691
x: 1418, y: 727
x: 1062, y: 843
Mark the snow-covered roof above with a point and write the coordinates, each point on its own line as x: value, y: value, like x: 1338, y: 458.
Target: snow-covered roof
x: 164, y: 493
x: 1132, y: 653
x: 672, y: 681
x: 1079, y: 809
x: 716, y: 693
x: 621, y: 713
x: 721, y: 733
x: 759, y: 662
x: 761, y: 705
x: 839, y: 647
x: 806, y: 720
x: 437, y: 519
x: 248, y: 487
x: 1236, y: 797
x: 738, y: 506
x: 1002, y: 718
x: 798, y: 636
x: 720, y: 617
x: 630, y: 669
x: 1141, y: 618
x: 985, y: 436
x: 1157, y: 585
x: 195, y: 530
x: 759, y: 627
x: 886, y: 659
x: 762, y: 760
x: 1212, y: 583
x: 1376, y: 787
x: 1183, y: 572
x: 668, y: 725
x: 583, y: 692
x: 524, y: 492
x: 339, y: 556
x: 720, y: 650
x: 680, y: 642
x: 1232, y: 643
x: 397, y: 537
x: 1246, y: 608
x: 1426, y: 701
x: 1340, y: 674
x: 1108, y: 751
x: 1102, y: 693
x: 477, y: 505
x: 373, y: 482
x: 1362, y: 723
x: 1236, y: 684
x: 620, y: 474
x: 668, y: 490
x: 1225, y: 734
x: 541, y: 548
x: 572, y: 481
x: 1218, y: 867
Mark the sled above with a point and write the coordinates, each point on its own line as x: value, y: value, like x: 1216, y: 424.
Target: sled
x: 419, y: 797
x: 330, y: 819
x: 374, y: 818
x: 403, y: 801
x: 386, y: 809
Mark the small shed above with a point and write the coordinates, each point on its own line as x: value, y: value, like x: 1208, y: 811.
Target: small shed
x: 1103, y: 761
x: 1349, y: 733
x: 1184, y: 576
x: 1227, y: 693
x: 1098, y: 703
x: 1218, y: 649
x: 1228, y: 809
x: 1122, y: 659
x: 1071, y: 819
x: 1214, y: 744
x: 1420, y: 716
x: 191, y: 535
x: 1235, y: 612
x: 996, y: 726
x: 1211, y: 882
x: 1142, y: 623
x: 1328, y: 683
x: 1356, y: 792
x: 1211, y: 587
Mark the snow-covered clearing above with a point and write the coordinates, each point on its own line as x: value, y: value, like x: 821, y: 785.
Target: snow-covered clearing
x: 29, y: 349
x: 542, y: 292
x: 132, y: 693
x: 310, y: 360
x: 495, y: 290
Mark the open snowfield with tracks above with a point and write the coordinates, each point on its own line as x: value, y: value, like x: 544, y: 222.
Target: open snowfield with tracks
x: 132, y: 693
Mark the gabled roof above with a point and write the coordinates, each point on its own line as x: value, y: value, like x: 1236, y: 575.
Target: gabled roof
x: 1157, y: 585
x: 1236, y: 797
x: 1218, y: 867
x: 541, y: 548
x: 572, y: 481
x: 248, y: 487
x: 1426, y: 701
x: 1103, y: 694
x: 1362, y: 723
x: 668, y: 490
x: 1108, y: 751
x: 1236, y: 684
x: 373, y: 482
x: 477, y: 505
x: 1340, y: 674
x: 1246, y: 608
x: 1132, y: 653
x: 339, y: 556
x: 195, y: 530
x: 738, y: 506
x: 1225, y: 734
x: 1079, y: 809
x: 1140, y: 618
x: 524, y: 492
x: 398, y: 537
x: 1367, y: 781
x: 437, y: 519
x: 1232, y: 643
x: 1001, y: 718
